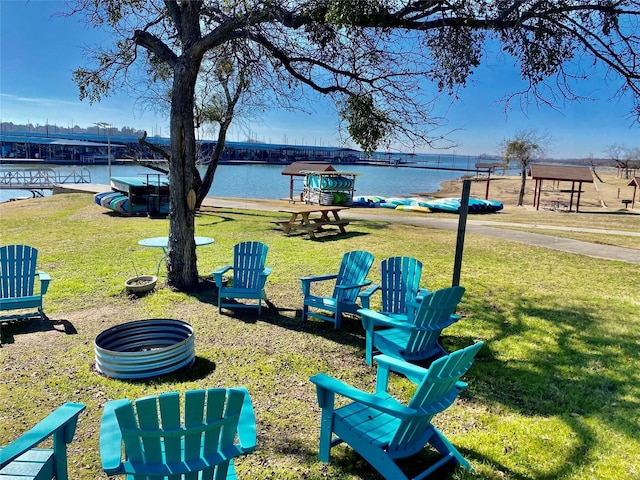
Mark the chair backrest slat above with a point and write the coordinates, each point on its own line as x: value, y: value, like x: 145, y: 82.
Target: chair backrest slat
x: 148, y: 419
x: 233, y: 408
x: 194, y: 417
x: 400, y: 282
x: 215, y: 411
x: 17, y: 270
x: 155, y: 431
x: 248, y: 263
x: 433, y: 315
x: 130, y: 432
x: 435, y: 393
x: 354, y: 269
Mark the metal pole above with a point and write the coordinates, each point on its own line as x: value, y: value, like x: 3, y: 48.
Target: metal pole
x: 108, y: 127
x: 462, y: 225
x: 109, y: 150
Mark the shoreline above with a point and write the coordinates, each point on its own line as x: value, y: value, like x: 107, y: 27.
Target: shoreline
x: 606, y: 193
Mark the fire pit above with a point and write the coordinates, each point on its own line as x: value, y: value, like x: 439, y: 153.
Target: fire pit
x: 145, y: 348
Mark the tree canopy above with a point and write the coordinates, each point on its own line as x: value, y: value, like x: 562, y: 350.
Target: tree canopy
x: 524, y: 148
x: 383, y: 62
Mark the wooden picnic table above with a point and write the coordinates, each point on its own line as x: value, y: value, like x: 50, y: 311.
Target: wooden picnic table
x: 312, y: 218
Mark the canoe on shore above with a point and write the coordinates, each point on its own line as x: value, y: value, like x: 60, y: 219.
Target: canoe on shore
x: 452, y: 205
x: 419, y: 204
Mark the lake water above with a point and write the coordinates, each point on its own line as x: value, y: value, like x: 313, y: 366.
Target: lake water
x: 267, y: 181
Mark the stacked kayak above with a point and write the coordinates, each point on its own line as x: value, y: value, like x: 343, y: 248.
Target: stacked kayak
x: 136, y: 196
x: 452, y: 205
x: 401, y: 203
x: 419, y: 204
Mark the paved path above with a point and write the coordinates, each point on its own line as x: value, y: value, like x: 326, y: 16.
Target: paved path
x: 477, y: 227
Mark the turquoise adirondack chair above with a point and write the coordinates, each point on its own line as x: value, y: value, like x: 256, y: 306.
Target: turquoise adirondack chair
x: 18, y: 281
x: 163, y: 440
x: 413, y: 339
x: 20, y: 460
x: 400, y: 289
x: 349, y: 280
x: 249, y: 277
x: 382, y: 429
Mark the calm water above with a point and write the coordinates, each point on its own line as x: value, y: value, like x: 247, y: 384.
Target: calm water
x: 267, y: 181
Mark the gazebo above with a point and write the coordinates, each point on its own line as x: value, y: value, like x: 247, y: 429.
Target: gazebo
x: 560, y: 173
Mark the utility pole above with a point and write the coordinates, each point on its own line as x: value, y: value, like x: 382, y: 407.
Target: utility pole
x: 108, y: 127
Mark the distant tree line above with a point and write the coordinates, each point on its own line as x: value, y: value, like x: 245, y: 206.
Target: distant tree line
x: 49, y: 128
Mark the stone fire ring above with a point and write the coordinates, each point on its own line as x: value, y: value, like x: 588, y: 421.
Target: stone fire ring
x: 145, y: 348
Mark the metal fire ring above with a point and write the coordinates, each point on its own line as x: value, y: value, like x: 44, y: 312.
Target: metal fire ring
x: 145, y: 348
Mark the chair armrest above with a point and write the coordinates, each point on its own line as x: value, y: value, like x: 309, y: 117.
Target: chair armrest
x: 326, y: 384
x: 387, y: 363
x: 307, y: 281
x: 371, y: 318
x: 365, y: 296
x: 354, y: 286
x: 217, y: 274
x: 266, y: 271
x: 247, y: 424
x: 422, y: 292
x: 44, y: 282
x: 61, y: 421
x: 319, y: 278
x: 111, y: 438
x: 415, y: 304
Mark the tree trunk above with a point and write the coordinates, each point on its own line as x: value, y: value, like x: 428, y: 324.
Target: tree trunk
x: 209, y: 175
x: 523, y: 185
x: 182, y: 271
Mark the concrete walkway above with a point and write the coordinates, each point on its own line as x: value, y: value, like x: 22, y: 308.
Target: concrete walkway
x: 474, y: 226
x: 477, y: 227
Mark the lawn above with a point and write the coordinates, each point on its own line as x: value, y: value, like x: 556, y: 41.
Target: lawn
x: 554, y: 394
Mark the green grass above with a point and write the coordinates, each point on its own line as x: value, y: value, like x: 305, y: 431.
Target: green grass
x: 554, y: 394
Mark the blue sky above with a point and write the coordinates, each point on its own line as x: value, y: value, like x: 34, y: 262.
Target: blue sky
x: 38, y: 52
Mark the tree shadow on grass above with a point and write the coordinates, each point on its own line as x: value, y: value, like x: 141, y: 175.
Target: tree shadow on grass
x: 621, y: 212
x: 560, y: 364
x: 566, y: 467
x: 345, y: 461
x: 562, y: 370
x: 26, y: 326
x: 350, y: 333
x: 228, y: 216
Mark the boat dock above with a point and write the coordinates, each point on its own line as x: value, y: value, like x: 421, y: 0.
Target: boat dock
x: 38, y: 179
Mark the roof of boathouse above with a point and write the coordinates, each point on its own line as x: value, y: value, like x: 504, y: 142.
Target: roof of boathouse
x: 296, y: 168
x: 42, y: 140
x: 92, y: 139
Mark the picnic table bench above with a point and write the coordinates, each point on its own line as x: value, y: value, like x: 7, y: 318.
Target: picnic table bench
x: 312, y: 218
